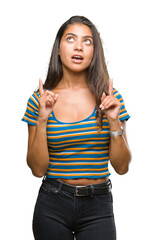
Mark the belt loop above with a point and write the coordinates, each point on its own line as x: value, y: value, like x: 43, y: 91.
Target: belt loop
x: 44, y: 178
x: 92, y: 191
x: 110, y: 183
x: 59, y: 187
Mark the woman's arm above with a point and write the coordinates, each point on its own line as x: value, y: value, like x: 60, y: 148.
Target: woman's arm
x: 38, y: 156
x: 119, y: 152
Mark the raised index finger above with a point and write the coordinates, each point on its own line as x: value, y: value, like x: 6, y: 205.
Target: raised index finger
x: 41, y: 87
x: 111, y: 88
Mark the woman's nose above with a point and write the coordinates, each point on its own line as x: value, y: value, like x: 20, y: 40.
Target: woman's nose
x: 78, y: 46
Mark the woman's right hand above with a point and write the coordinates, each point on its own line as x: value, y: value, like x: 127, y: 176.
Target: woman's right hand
x: 47, y: 101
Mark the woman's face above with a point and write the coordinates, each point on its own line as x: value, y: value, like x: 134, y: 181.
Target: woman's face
x: 76, y: 48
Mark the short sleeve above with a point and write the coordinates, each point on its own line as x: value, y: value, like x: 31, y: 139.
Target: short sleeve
x: 123, y: 112
x: 31, y: 113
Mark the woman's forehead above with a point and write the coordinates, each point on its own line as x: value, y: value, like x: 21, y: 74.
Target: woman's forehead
x: 78, y: 29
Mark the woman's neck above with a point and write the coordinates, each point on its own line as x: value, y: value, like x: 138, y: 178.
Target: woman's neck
x: 73, y: 80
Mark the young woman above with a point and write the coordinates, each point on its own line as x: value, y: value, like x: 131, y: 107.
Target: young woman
x: 76, y: 124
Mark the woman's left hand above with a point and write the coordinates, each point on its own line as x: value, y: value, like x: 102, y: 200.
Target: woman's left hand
x: 110, y: 104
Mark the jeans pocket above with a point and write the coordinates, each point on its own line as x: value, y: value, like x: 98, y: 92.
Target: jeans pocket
x: 47, y: 190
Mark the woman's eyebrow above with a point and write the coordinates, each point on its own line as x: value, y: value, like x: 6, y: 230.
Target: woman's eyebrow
x: 73, y: 34
x: 88, y: 36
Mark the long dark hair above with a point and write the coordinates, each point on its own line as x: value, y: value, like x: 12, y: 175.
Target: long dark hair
x: 97, y: 74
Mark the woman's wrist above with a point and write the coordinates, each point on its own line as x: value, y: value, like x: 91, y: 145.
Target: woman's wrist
x: 115, y: 125
x: 42, y: 122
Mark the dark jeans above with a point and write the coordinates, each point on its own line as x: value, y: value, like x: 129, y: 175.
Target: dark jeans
x: 60, y: 215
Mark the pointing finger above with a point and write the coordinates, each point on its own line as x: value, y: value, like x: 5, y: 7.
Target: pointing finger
x: 41, y: 87
x: 111, y: 88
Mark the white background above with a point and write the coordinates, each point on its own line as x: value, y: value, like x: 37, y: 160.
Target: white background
x: 27, y: 30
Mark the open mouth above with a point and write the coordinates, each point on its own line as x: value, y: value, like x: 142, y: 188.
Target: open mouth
x: 77, y: 58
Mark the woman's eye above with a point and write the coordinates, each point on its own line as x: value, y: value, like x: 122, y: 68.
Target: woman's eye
x: 87, y: 41
x: 70, y: 39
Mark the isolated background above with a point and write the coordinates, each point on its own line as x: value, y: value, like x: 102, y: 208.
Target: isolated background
x: 27, y: 30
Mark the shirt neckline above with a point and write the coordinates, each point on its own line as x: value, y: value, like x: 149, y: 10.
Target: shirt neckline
x: 74, y: 122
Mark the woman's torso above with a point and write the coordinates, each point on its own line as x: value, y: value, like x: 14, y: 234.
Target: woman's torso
x: 73, y: 106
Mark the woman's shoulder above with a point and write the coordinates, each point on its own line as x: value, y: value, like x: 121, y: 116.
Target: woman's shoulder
x: 117, y: 94
x: 123, y: 112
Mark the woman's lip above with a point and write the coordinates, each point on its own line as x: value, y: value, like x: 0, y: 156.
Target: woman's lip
x: 77, y: 60
x: 77, y: 55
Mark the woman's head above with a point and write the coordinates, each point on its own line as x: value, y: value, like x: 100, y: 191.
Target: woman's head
x: 97, y: 74
x: 76, y: 48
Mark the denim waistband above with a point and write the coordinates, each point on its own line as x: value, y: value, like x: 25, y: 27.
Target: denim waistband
x: 89, y: 190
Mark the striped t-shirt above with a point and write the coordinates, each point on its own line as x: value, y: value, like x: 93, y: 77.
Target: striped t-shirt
x: 76, y: 149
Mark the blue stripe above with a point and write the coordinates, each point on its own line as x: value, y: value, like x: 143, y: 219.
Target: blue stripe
x: 79, y: 167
